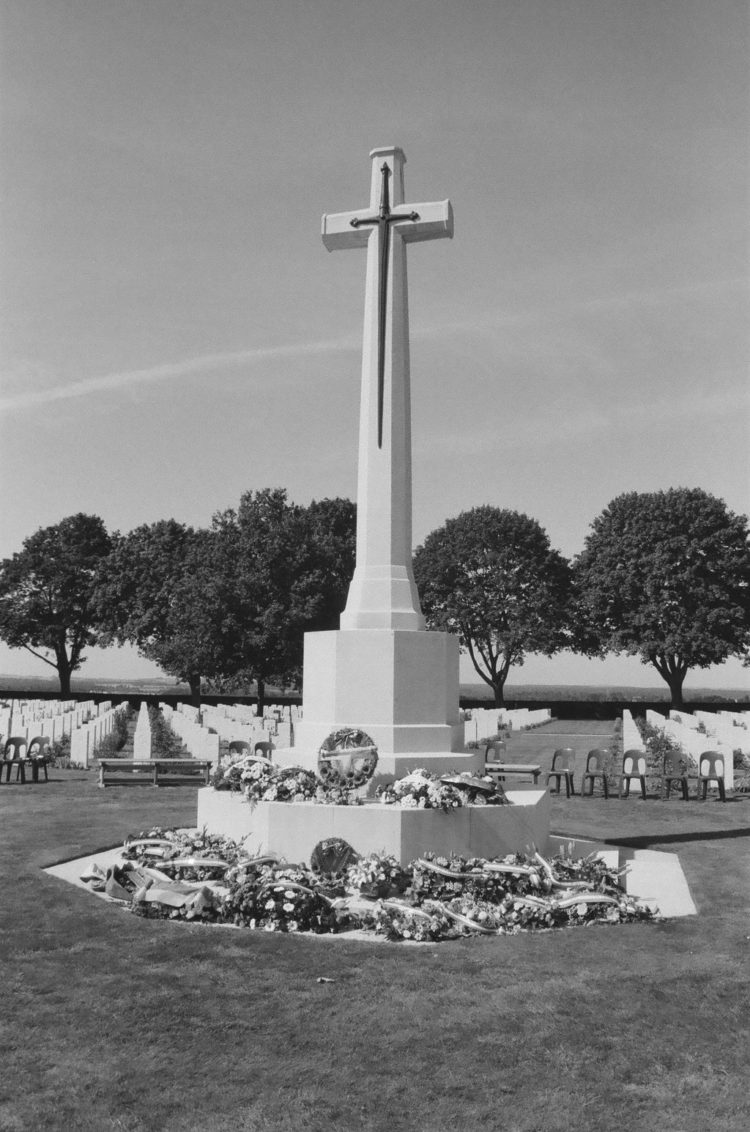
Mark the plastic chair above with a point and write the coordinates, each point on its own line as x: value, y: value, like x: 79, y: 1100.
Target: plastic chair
x: 494, y: 753
x: 563, y: 766
x: 264, y: 749
x: 674, y: 771
x: 711, y: 769
x: 38, y: 755
x: 595, y: 761
x: 14, y: 754
x: 239, y: 747
x: 633, y: 766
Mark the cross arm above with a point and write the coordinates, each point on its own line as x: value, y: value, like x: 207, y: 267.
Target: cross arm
x: 337, y: 231
x: 435, y: 222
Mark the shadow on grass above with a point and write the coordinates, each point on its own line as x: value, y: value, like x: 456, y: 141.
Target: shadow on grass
x: 677, y: 838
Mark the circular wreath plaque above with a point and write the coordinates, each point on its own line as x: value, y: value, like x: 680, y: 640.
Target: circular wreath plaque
x: 347, y: 758
x: 333, y: 856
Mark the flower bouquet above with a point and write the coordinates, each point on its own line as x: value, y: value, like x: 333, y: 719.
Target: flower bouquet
x: 421, y: 790
x: 398, y: 921
x: 281, y: 899
x: 377, y: 875
x: 267, y: 783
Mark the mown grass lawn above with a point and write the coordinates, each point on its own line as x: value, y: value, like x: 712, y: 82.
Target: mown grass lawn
x: 114, y: 1022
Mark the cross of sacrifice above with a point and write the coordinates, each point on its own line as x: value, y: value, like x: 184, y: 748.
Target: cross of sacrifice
x: 383, y: 594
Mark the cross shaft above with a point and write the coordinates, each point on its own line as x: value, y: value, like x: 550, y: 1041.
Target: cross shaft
x: 383, y: 593
x: 383, y: 219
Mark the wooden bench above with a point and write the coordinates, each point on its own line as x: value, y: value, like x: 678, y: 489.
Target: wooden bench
x: 153, y: 772
x: 500, y: 770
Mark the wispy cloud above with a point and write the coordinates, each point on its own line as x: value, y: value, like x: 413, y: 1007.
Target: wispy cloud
x: 126, y: 379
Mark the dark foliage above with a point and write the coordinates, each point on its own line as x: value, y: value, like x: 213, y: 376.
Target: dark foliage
x: 492, y: 577
x: 666, y: 576
x: 46, y: 593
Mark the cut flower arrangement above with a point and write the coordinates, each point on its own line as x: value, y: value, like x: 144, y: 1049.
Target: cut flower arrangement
x: 261, y: 781
x: 190, y: 875
x: 424, y: 791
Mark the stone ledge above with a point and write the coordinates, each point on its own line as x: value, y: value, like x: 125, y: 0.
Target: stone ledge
x: 292, y: 830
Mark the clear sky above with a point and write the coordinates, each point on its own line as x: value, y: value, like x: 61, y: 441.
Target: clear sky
x: 174, y: 332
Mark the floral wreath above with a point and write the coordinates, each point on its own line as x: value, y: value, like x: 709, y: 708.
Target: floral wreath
x: 363, y: 758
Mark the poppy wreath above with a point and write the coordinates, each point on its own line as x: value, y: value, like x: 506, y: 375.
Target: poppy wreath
x: 352, y: 772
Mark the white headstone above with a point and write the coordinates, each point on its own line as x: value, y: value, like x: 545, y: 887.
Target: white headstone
x: 142, y: 737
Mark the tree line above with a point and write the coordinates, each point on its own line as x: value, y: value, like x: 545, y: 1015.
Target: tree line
x: 664, y: 576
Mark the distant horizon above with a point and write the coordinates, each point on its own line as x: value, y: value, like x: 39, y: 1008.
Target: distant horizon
x: 729, y: 690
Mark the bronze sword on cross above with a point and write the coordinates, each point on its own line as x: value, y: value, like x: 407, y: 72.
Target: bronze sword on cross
x: 383, y: 220
x: 414, y: 223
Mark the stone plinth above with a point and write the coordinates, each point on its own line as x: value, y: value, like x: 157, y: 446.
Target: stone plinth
x: 292, y: 830
x: 399, y: 686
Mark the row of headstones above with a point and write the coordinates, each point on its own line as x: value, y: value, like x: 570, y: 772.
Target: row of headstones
x: 692, y: 741
x: 232, y: 722
x: 200, y: 742
x: 727, y: 727
x: 483, y: 723
x: 53, y: 719
x: 241, y: 721
x: 86, y: 738
x: 246, y: 713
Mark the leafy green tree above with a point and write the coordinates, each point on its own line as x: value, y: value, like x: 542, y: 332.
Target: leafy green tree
x: 46, y: 593
x: 229, y: 605
x: 665, y: 576
x: 164, y: 588
x: 294, y: 565
x: 492, y: 577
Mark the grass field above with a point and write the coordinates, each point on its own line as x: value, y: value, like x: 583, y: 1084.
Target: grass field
x: 114, y: 1022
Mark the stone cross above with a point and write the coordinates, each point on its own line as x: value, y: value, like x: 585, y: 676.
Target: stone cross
x: 383, y: 594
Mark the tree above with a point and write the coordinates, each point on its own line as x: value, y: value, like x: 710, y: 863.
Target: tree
x: 230, y: 605
x: 666, y: 576
x: 165, y: 588
x: 46, y: 593
x: 491, y: 577
x: 294, y: 565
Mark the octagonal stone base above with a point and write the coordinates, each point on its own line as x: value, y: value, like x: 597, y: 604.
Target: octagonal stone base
x: 292, y: 830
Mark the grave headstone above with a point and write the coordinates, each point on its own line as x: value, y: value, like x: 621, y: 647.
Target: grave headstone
x: 142, y: 737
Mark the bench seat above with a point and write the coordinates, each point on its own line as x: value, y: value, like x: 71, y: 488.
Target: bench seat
x: 500, y: 770
x: 154, y: 772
